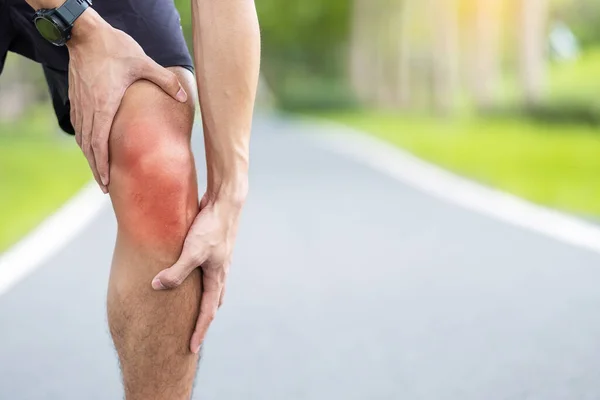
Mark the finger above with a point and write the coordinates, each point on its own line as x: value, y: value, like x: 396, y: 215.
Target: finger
x: 86, y: 134
x: 164, y: 78
x: 209, y: 304
x: 72, y: 118
x: 73, y: 110
x: 174, y: 276
x: 78, y: 126
x: 99, y: 144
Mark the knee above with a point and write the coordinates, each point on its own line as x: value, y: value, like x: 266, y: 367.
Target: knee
x: 153, y: 180
x: 158, y: 194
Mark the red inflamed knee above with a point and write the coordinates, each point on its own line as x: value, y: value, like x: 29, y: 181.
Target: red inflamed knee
x: 153, y: 181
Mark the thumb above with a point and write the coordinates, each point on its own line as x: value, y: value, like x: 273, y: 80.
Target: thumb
x: 174, y: 276
x: 165, y: 79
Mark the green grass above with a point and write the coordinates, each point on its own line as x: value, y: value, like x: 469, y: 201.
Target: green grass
x: 39, y: 171
x: 557, y: 166
x: 577, y: 79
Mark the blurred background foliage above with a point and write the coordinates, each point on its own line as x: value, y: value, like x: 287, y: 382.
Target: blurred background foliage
x: 304, y: 47
x: 503, y: 91
x: 446, y: 56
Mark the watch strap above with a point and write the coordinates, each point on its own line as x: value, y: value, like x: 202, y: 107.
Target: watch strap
x: 72, y: 9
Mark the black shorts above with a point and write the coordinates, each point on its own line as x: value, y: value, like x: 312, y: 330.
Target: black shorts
x: 154, y: 24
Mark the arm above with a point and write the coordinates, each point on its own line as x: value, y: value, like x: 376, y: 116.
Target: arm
x: 37, y: 4
x: 227, y: 55
x: 103, y: 63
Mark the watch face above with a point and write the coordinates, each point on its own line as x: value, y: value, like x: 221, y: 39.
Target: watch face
x: 49, y: 30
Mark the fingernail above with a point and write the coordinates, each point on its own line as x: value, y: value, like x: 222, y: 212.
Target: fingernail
x: 181, y: 95
x: 157, y: 284
x: 104, y: 189
x: 104, y: 180
x: 198, y: 349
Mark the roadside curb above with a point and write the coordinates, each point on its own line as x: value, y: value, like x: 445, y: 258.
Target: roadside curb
x: 50, y: 236
x: 442, y: 184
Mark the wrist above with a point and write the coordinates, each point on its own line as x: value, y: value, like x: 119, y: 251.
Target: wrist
x: 232, y: 191
x: 88, y: 23
x: 227, y: 177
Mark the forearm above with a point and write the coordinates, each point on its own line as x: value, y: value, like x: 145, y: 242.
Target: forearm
x: 227, y: 58
x: 37, y: 4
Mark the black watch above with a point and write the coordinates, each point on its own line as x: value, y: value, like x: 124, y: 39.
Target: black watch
x: 55, y: 24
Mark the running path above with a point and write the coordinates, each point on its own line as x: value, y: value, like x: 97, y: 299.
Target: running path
x: 347, y: 284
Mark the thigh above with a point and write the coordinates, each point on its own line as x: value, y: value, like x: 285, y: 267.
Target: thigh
x: 155, y: 25
x: 156, y: 28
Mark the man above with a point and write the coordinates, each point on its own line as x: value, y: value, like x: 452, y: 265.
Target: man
x: 123, y: 85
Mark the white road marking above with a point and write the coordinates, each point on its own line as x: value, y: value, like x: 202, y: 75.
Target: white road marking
x: 50, y: 237
x: 445, y: 185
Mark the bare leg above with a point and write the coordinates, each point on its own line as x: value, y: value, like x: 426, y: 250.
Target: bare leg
x: 154, y: 193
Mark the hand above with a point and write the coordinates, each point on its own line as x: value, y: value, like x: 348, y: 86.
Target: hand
x: 104, y: 62
x: 209, y: 245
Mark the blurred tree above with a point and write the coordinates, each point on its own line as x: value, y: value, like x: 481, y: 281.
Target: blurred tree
x: 386, y: 19
x: 304, y: 47
x: 403, y: 82
x: 389, y: 21
x: 380, y: 52
x: 532, y: 41
x: 361, y: 52
x: 484, y: 52
x: 445, y: 54
x: 582, y: 17
x: 22, y: 85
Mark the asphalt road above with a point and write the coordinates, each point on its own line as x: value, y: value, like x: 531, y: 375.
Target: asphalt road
x: 346, y: 285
